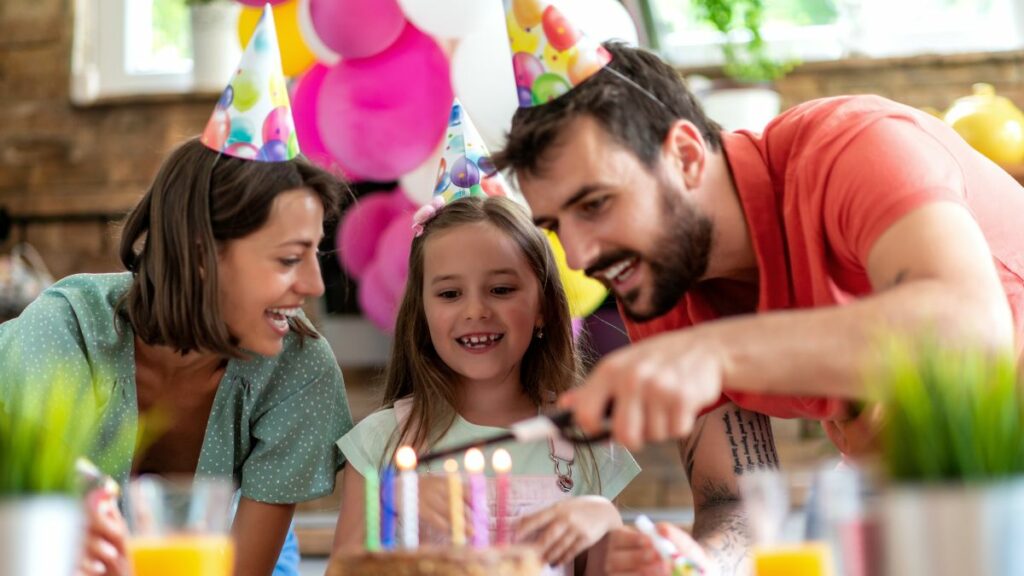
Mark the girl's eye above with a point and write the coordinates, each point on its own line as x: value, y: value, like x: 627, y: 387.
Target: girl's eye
x: 448, y: 294
x: 289, y: 262
x: 503, y: 290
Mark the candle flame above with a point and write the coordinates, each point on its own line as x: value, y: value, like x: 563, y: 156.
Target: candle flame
x: 451, y: 466
x: 405, y: 458
x: 474, y: 461
x: 501, y: 461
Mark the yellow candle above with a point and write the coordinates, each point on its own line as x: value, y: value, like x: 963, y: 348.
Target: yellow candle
x: 803, y: 559
x: 455, y: 505
x: 212, y: 555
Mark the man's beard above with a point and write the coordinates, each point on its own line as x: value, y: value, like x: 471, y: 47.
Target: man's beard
x: 678, y: 261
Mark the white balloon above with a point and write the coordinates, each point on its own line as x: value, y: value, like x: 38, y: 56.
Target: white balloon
x: 601, y: 19
x: 446, y: 18
x: 323, y: 54
x: 419, y: 184
x: 483, y: 78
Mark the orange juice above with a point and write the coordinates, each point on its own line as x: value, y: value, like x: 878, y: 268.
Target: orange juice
x: 212, y: 555
x: 801, y: 559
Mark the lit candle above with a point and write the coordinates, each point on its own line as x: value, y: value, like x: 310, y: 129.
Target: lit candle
x: 372, y: 512
x: 477, y: 496
x: 501, y: 461
x: 405, y: 458
x: 451, y: 467
x: 388, y: 510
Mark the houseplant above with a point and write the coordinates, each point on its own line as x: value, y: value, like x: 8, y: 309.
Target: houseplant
x: 215, y: 47
x: 953, y: 449
x: 748, y: 60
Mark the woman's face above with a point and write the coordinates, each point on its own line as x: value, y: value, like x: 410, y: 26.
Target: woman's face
x: 266, y: 277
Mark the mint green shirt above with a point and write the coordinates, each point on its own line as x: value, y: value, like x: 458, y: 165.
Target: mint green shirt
x: 364, y: 448
x: 273, y: 423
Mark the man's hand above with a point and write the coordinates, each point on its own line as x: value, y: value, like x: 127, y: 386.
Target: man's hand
x: 631, y: 553
x: 568, y: 528
x: 657, y: 387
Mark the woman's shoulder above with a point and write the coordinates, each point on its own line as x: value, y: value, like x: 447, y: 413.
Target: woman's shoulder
x: 382, y: 421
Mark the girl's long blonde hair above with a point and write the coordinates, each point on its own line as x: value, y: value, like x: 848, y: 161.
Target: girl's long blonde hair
x: 549, y: 367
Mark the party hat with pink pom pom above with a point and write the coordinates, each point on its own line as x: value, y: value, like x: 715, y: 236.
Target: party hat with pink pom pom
x: 550, y: 55
x: 253, y: 118
x: 466, y: 168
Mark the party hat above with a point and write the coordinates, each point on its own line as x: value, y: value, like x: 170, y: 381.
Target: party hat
x: 549, y: 54
x: 253, y: 118
x: 466, y: 168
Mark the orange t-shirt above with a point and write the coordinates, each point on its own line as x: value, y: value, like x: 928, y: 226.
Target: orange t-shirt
x: 818, y: 188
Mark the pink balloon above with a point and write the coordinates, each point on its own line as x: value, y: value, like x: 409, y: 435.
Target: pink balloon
x: 357, y: 28
x: 304, y: 96
x: 260, y: 3
x: 360, y: 231
x: 393, y: 253
x: 383, y: 116
x: 378, y: 304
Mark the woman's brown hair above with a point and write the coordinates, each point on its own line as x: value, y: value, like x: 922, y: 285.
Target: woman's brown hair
x: 550, y: 365
x: 200, y: 200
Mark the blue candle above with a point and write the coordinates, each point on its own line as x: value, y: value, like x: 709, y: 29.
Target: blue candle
x: 388, y: 513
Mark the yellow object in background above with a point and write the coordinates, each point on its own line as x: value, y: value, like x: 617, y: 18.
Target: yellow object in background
x: 179, y: 555
x: 800, y: 559
x: 296, y: 57
x: 991, y: 124
x: 584, y: 293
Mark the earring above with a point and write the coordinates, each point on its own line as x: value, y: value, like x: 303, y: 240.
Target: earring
x: 540, y: 332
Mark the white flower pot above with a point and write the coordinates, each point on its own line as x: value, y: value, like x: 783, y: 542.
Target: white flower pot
x: 40, y: 535
x: 215, y: 48
x: 954, y: 530
x: 737, y: 106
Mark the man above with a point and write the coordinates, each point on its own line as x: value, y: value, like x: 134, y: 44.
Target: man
x: 758, y: 270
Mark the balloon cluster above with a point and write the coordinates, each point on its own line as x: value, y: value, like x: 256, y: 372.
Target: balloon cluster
x: 373, y: 83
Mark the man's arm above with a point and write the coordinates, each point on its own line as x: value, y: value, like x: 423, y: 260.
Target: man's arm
x: 726, y: 443
x: 932, y: 273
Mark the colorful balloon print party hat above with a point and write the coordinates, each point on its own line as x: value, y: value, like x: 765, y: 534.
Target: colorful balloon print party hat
x: 253, y: 118
x: 465, y: 168
x: 550, y: 55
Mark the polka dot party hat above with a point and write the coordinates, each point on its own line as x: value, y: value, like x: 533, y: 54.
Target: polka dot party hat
x: 465, y: 168
x: 253, y: 118
x: 550, y: 55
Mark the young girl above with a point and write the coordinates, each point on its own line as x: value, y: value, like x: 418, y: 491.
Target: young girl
x: 483, y: 339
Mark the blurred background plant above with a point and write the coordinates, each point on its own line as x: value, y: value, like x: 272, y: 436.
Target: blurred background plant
x: 951, y: 414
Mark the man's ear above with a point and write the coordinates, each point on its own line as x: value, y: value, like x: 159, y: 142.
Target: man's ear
x: 686, y: 151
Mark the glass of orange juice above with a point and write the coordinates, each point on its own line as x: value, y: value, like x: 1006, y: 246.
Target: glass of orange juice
x: 798, y: 519
x: 180, y: 526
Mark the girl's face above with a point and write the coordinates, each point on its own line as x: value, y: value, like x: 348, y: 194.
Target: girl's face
x: 481, y: 300
x: 266, y: 276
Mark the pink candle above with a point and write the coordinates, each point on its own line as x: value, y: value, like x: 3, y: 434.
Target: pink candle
x: 501, y: 461
x: 477, y: 496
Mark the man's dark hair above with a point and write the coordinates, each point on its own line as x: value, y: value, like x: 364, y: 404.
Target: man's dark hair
x: 632, y: 118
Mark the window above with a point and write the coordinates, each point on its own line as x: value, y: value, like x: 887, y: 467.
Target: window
x: 130, y: 47
x: 831, y: 29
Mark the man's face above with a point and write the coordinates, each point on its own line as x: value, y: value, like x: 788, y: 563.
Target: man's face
x: 632, y: 228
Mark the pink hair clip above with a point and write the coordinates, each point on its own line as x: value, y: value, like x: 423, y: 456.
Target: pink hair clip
x: 425, y: 213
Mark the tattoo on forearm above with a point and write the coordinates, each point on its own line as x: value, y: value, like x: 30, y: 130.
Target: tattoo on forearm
x: 721, y: 528
x: 689, y: 453
x: 750, y: 441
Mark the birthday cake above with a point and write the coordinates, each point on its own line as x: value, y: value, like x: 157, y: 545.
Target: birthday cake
x: 439, y: 561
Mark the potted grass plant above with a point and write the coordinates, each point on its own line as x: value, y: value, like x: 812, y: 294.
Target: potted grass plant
x: 953, y: 447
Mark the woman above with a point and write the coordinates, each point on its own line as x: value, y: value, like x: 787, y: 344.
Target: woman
x: 206, y: 332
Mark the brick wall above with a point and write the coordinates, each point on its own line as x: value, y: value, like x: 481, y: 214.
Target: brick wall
x: 56, y: 159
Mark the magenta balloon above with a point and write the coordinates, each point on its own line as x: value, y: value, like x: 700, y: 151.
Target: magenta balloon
x: 360, y: 231
x: 260, y: 3
x: 393, y: 253
x: 378, y: 304
x: 383, y: 116
x: 357, y: 28
x: 304, y: 96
